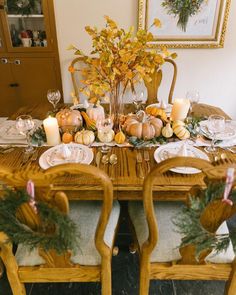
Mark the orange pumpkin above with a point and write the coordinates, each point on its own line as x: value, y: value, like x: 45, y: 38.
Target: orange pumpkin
x: 143, y: 126
x: 69, y: 119
x: 67, y: 137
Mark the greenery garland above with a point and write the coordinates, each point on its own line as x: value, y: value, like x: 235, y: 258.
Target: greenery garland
x: 189, y: 225
x: 183, y: 9
x: 21, y: 6
x: 65, y: 236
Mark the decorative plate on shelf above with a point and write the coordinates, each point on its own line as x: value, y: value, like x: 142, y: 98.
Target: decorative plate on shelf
x: 75, y: 153
x: 172, y: 150
x: 227, y: 134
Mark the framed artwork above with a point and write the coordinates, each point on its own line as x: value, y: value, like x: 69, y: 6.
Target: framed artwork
x: 185, y: 24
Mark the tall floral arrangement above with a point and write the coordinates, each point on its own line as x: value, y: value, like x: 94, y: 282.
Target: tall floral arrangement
x: 118, y: 60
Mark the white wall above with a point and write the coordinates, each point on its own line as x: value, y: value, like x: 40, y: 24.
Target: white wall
x: 210, y: 71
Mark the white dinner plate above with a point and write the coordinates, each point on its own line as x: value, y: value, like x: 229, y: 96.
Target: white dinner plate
x: 227, y: 134
x: 8, y: 130
x: 171, y: 150
x: 53, y: 156
x: 168, y: 108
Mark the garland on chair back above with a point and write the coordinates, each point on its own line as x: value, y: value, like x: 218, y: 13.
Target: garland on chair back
x: 64, y: 236
x: 189, y: 225
x: 183, y: 9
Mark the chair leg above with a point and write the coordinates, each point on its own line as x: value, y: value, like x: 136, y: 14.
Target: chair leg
x: 11, y: 269
x: 144, y: 275
x: 106, y: 276
x: 230, y: 288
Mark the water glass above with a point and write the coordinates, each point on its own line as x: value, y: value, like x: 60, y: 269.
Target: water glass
x: 138, y: 99
x: 25, y: 125
x: 215, y: 126
x: 104, y: 127
x: 193, y: 97
x: 54, y: 97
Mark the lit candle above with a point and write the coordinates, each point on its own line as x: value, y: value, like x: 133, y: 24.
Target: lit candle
x: 180, y: 109
x: 52, y: 131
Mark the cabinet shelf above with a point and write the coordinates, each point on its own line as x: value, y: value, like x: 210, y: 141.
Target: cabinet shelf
x: 25, y: 16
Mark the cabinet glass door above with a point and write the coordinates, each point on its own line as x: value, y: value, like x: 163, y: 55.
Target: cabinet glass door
x: 26, y: 25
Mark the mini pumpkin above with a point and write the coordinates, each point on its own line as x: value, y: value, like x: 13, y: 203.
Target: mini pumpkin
x: 106, y: 135
x: 85, y: 137
x: 167, y: 131
x: 143, y: 126
x: 180, y: 130
x: 156, y: 112
x: 120, y: 137
x: 67, y: 137
x: 68, y: 119
x: 95, y: 112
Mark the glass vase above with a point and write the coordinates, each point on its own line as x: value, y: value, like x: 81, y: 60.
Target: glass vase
x: 116, y: 107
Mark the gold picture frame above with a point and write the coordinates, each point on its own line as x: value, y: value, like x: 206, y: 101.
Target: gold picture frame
x: 205, y: 29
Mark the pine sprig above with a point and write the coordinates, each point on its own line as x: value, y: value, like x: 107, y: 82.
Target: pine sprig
x: 63, y: 238
x: 190, y: 227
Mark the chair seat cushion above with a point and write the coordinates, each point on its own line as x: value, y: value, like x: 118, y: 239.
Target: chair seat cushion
x: 169, y: 239
x: 86, y: 215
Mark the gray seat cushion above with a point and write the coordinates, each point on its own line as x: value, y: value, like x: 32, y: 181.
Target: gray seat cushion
x: 169, y: 239
x: 86, y: 215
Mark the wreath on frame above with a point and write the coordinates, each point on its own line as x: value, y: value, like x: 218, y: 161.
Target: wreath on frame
x: 183, y: 9
x: 190, y: 227
x: 57, y: 231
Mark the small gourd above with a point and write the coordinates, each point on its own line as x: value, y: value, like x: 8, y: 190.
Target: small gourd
x: 67, y: 137
x: 85, y: 137
x: 120, y: 137
x: 106, y: 135
x: 95, y: 112
x: 180, y: 130
x: 156, y: 112
x: 167, y: 131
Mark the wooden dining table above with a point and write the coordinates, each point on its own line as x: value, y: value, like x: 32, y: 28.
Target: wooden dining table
x: 127, y: 183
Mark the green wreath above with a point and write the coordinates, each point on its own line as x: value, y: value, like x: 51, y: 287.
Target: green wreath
x: 183, y: 9
x: 63, y: 238
x: 189, y: 225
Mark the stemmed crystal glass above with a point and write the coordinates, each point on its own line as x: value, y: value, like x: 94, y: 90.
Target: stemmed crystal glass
x: 138, y: 99
x: 104, y: 127
x: 25, y: 124
x: 194, y: 98
x: 216, y: 125
x: 54, y: 97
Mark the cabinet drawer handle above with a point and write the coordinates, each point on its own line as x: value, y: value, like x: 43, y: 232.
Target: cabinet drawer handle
x: 14, y: 85
x: 17, y: 62
x: 4, y: 61
x: 1, y: 7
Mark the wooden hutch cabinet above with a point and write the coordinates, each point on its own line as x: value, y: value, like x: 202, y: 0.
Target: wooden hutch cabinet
x: 29, y: 62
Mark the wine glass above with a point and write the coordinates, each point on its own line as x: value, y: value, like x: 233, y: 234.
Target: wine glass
x: 54, y: 97
x: 216, y: 125
x: 105, y: 132
x: 193, y: 97
x: 25, y: 124
x: 138, y: 99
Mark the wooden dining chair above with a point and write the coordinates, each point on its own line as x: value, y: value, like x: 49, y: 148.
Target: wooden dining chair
x: 153, y: 85
x: 96, y: 221
x: 158, y: 240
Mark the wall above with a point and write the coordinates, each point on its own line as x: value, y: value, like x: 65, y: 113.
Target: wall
x: 210, y: 71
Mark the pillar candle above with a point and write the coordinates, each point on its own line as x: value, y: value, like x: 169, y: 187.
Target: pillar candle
x: 52, y: 131
x: 180, y: 109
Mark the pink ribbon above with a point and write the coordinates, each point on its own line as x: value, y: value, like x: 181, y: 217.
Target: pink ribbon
x: 31, y: 192
x: 228, y: 186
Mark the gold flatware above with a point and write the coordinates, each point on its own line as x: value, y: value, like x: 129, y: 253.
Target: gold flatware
x: 98, y: 158
x: 105, y: 161
x: 34, y: 156
x: 146, y: 157
x: 139, y: 160
x: 112, y: 161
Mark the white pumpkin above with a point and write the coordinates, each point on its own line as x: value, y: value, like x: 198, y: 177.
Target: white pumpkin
x: 106, y: 135
x: 85, y: 137
x: 96, y: 112
x: 180, y: 130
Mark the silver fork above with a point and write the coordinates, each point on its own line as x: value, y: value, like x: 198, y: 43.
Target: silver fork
x: 139, y: 160
x: 147, y: 160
